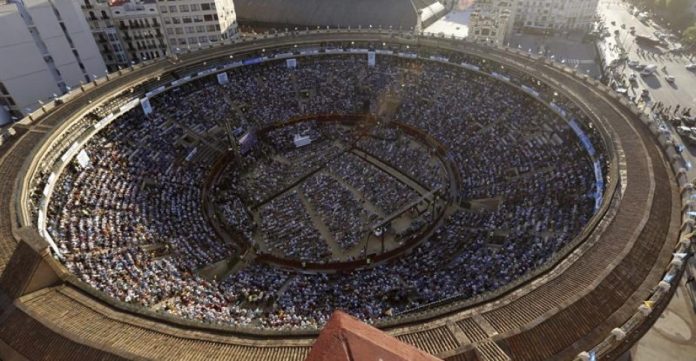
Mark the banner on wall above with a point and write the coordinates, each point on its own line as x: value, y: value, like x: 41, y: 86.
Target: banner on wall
x: 470, y: 67
x: 252, y: 61
x: 83, y: 159
x: 371, y: 58
x: 599, y: 184
x: 145, y: 103
x: 222, y: 78
x: 291, y: 63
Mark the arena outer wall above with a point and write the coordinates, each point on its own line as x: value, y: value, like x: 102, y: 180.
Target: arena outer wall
x: 591, y: 301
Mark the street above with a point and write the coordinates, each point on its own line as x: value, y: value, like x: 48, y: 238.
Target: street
x: 682, y: 92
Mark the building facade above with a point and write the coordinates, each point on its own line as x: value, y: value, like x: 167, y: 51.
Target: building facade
x: 99, y: 17
x: 192, y: 24
x: 131, y: 31
x: 140, y: 29
x: 491, y: 21
x: 46, y: 48
x: 548, y: 16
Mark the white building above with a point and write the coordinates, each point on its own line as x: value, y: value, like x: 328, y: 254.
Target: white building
x: 130, y: 31
x: 547, y: 16
x: 46, y: 47
x: 190, y: 24
x: 491, y: 21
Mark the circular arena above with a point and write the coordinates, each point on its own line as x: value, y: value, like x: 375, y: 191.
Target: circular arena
x: 477, y: 203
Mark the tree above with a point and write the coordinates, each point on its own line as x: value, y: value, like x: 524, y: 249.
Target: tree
x: 689, y: 36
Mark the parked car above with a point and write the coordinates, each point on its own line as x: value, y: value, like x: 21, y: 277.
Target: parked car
x: 640, y: 66
x: 690, y: 139
x: 633, y: 63
x: 682, y: 130
x: 669, y: 78
x: 645, y: 93
x: 691, y: 66
x: 648, y: 70
x: 646, y: 40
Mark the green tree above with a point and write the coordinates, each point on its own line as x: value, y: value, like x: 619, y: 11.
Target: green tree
x: 689, y: 36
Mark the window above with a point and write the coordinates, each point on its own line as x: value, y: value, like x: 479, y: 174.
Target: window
x: 200, y: 28
x: 179, y: 31
x: 184, y: 8
x: 205, y: 6
x: 182, y: 41
x: 186, y: 20
x: 202, y: 39
x: 208, y: 17
x: 192, y: 40
x: 172, y: 8
x: 170, y: 31
x: 190, y: 30
x: 195, y: 7
x: 213, y: 38
x: 197, y: 18
x: 176, y: 20
x: 167, y: 20
x: 210, y: 28
x: 163, y: 9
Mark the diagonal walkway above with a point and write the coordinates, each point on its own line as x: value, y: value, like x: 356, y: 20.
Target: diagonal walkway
x: 320, y: 226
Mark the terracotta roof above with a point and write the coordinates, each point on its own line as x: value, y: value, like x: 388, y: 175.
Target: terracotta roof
x: 346, y: 338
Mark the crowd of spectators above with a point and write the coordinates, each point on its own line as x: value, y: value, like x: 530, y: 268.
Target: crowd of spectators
x: 289, y: 231
x: 409, y: 157
x: 343, y: 214
x: 131, y: 225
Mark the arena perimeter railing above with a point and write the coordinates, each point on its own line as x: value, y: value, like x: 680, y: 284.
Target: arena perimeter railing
x: 620, y: 338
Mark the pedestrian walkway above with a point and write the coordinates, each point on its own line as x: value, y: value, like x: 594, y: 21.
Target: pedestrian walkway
x: 673, y: 336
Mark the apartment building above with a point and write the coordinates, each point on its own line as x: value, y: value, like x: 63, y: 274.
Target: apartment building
x: 46, y: 48
x: 140, y: 29
x: 191, y: 24
x: 556, y: 15
x: 130, y: 31
x: 491, y: 21
x: 99, y: 17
